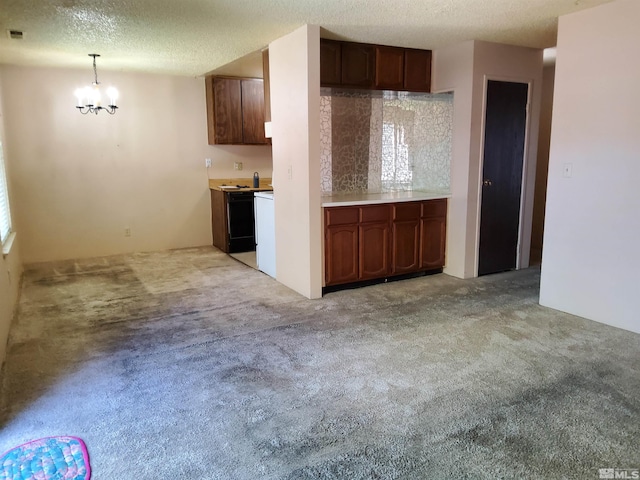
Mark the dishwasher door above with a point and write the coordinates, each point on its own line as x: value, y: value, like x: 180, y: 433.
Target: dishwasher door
x: 265, y: 233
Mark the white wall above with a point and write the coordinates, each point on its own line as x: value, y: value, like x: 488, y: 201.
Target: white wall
x: 80, y: 180
x: 294, y: 66
x: 453, y: 71
x: 591, y: 257
x: 465, y: 69
x: 10, y: 264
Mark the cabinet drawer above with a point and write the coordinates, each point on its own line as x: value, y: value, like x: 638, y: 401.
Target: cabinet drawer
x: 434, y: 208
x: 406, y: 211
x: 375, y: 213
x: 341, y: 216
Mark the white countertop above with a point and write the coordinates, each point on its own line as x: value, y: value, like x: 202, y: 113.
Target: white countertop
x: 348, y: 199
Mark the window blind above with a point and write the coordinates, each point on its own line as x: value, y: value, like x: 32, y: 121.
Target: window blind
x: 5, y: 214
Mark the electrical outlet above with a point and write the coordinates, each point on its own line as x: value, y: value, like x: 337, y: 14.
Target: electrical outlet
x: 237, y: 165
x: 127, y: 232
x: 207, y: 162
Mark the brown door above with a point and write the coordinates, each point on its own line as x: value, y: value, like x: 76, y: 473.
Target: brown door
x: 505, y: 125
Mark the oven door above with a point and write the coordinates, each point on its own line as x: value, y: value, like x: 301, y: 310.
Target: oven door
x: 241, y: 222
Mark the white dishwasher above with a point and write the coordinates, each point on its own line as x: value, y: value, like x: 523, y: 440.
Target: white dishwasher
x: 265, y: 233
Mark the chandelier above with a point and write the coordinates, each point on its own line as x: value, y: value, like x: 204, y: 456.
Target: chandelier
x: 89, y: 99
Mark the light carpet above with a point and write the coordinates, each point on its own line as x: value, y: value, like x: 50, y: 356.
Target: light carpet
x: 186, y: 364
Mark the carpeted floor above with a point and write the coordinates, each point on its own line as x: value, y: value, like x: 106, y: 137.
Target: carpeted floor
x: 187, y: 364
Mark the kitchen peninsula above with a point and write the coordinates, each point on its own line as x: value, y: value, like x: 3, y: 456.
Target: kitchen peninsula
x: 384, y: 175
x: 376, y: 236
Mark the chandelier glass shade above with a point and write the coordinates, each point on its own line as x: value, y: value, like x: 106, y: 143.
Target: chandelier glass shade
x: 90, y: 98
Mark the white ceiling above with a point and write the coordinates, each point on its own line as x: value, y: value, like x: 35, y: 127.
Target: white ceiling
x: 194, y: 37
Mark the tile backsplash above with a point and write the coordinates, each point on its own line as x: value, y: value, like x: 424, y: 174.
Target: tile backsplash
x: 378, y: 142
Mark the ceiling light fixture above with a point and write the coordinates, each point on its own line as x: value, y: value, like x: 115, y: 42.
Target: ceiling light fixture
x: 89, y: 97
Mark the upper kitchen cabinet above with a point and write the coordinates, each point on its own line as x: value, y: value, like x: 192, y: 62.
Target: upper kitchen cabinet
x: 417, y: 70
x: 253, y: 112
x: 378, y: 67
x: 235, y: 111
x: 389, y: 68
x: 330, y: 63
x: 358, y: 65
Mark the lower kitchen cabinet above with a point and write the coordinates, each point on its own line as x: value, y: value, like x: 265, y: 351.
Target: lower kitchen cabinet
x: 341, y: 239
x: 376, y: 241
x: 219, y: 220
x: 433, y: 232
x: 373, y: 242
x: 406, y: 238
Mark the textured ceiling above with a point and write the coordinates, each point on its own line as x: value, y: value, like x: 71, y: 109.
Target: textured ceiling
x: 193, y: 37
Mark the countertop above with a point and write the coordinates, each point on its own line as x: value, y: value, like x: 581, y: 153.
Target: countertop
x: 245, y: 183
x: 349, y: 199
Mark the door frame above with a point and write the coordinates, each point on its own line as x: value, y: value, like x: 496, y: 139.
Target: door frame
x: 525, y: 161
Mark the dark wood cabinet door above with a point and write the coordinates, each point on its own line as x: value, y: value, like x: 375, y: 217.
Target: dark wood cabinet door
x: 358, y: 62
x: 227, y: 110
x: 389, y: 68
x: 341, y: 255
x: 341, y: 245
x: 253, y: 112
x: 417, y: 70
x: 405, y: 243
x: 432, y: 242
x: 433, y: 231
x: 330, y: 63
x: 374, y: 241
x: 219, y: 228
x: 374, y: 250
x: 405, y: 247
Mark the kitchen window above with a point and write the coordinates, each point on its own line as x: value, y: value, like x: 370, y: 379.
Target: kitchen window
x: 5, y: 213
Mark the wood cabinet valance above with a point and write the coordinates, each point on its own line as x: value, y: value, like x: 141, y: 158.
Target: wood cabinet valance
x: 376, y: 67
